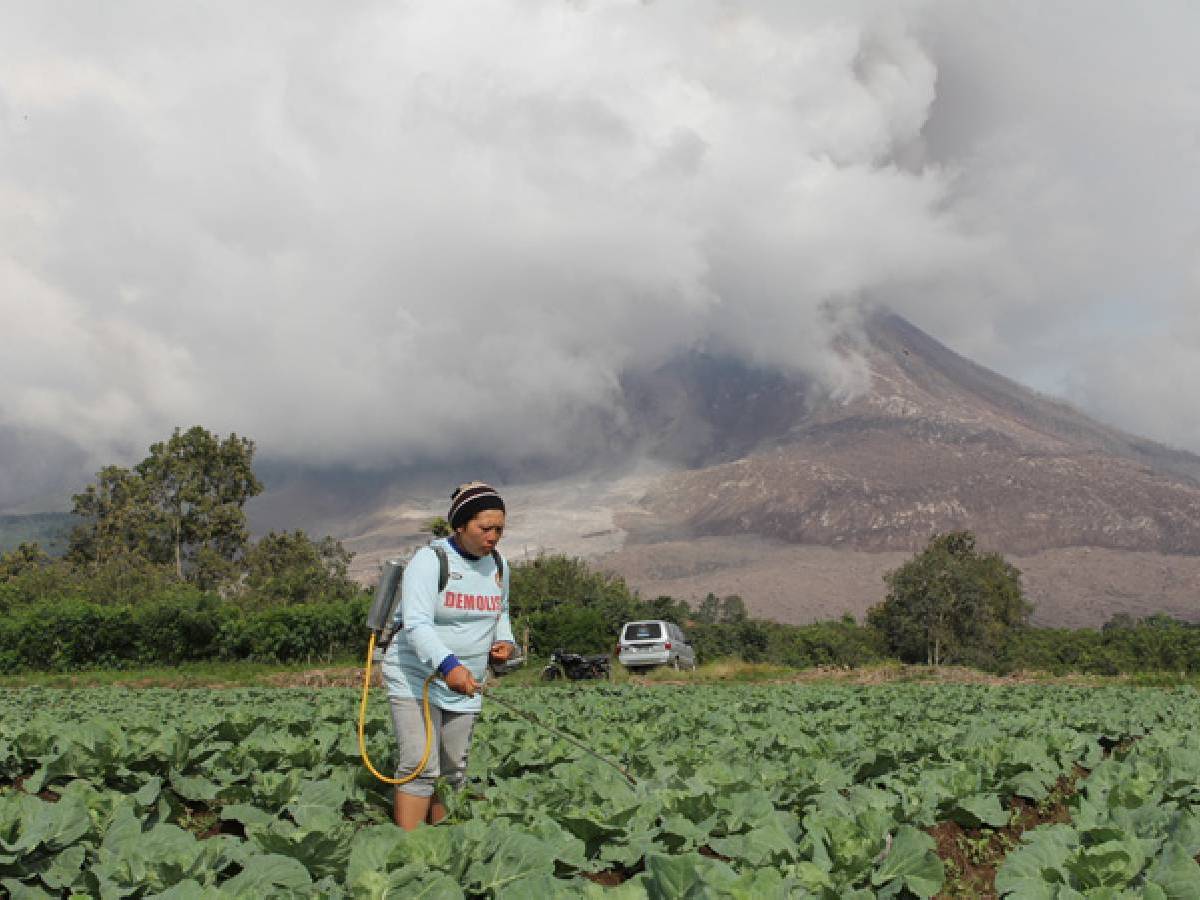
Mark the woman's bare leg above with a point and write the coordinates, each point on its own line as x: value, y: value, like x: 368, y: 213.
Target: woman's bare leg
x: 410, y: 811
x: 437, y: 812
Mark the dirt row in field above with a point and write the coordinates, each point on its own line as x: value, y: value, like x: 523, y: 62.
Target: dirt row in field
x: 901, y: 674
x: 352, y: 677
x: 324, y: 678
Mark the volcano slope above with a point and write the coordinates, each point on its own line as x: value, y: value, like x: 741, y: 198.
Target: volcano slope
x: 835, y: 493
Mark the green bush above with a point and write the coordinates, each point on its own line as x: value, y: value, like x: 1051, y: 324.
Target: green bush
x: 576, y: 629
x: 179, y: 632
x: 310, y: 631
x: 1152, y: 645
x: 52, y: 620
x: 838, y: 643
x: 67, y: 635
x: 121, y: 580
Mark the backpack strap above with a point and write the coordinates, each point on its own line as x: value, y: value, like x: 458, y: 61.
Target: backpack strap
x: 443, y: 566
x: 387, y: 634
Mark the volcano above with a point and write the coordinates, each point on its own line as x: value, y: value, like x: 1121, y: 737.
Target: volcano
x: 935, y: 444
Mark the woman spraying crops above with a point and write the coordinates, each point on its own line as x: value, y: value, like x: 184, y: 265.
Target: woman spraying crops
x: 453, y: 631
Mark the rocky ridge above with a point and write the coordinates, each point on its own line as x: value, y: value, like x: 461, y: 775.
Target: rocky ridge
x: 937, y: 444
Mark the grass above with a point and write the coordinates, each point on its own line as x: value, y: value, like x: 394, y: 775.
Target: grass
x: 734, y: 670
x: 184, y: 675
x: 1164, y: 679
x: 724, y: 670
x: 719, y: 671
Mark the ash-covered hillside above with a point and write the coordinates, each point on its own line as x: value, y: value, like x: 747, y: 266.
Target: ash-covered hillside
x: 936, y: 443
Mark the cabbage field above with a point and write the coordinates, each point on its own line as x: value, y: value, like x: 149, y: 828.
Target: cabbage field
x: 761, y: 791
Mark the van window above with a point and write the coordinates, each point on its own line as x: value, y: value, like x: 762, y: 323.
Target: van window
x: 643, y: 631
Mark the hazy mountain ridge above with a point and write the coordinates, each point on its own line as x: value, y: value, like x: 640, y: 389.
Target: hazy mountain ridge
x: 50, y: 530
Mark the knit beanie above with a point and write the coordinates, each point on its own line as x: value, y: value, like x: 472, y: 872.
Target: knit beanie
x: 469, y: 499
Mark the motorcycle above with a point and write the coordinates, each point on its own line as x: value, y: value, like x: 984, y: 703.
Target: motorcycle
x: 576, y: 667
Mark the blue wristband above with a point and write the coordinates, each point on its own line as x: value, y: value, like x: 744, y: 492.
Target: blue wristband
x: 448, y: 665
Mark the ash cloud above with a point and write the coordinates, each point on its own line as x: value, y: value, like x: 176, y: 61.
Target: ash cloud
x: 378, y: 236
x: 1074, y: 130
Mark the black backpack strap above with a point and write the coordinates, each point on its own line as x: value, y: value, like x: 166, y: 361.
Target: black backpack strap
x: 443, y: 579
x: 443, y: 566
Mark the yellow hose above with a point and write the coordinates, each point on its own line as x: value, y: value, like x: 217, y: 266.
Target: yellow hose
x: 362, y: 725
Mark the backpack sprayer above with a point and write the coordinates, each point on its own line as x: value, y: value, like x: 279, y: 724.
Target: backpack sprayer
x: 382, y: 621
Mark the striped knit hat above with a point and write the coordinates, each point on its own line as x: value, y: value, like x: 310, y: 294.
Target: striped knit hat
x: 469, y: 499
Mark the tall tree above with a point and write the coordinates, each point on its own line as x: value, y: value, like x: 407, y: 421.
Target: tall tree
x: 181, y: 506
x: 951, y: 603
x: 198, y: 485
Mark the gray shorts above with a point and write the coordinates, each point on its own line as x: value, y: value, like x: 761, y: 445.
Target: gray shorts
x: 447, y: 757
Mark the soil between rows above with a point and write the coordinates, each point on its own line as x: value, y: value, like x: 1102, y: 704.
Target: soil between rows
x: 972, y: 856
x: 349, y: 676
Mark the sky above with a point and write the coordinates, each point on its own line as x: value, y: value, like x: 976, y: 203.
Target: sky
x: 372, y: 235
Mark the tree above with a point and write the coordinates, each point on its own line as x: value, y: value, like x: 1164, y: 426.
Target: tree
x: 546, y: 583
x: 437, y: 526
x: 197, y: 486
x: 26, y: 557
x: 951, y: 603
x: 291, y: 568
x: 664, y: 606
x: 181, y: 506
x: 561, y: 599
x: 733, y: 610
x: 577, y: 629
x: 1119, y: 622
x: 117, y: 519
x: 709, y: 609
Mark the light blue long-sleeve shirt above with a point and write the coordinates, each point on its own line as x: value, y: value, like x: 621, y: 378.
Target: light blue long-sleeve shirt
x: 463, y: 619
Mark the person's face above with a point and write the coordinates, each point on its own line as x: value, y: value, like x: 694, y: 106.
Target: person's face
x: 480, y: 536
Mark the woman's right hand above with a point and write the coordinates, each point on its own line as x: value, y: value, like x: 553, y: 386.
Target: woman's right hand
x: 460, y: 680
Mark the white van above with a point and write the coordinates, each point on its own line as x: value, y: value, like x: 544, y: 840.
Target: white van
x: 654, y: 643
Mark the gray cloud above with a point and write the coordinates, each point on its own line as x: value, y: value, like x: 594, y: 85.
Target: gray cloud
x: 379, y: 234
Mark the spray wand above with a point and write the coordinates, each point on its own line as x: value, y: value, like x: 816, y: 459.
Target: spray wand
x: 511, y: 707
